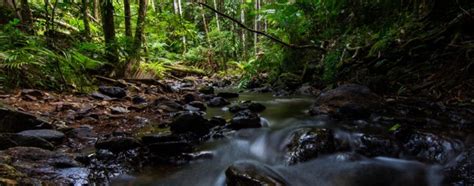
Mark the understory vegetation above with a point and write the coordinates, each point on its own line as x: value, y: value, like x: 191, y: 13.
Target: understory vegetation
x: 64, y: 44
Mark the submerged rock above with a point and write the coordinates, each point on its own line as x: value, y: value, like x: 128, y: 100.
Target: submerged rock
x: 114, y: 92
x: 17, y: 121
x: 252, y: 173
x: 49, y: 135
x: 8, y: 140
x: 245, y: 119
x: 198, y: 104
x: 349, y: 100
x: 308, y: 143
x: 217, y: 102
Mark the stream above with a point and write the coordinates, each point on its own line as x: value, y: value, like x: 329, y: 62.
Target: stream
x: 263, y: 152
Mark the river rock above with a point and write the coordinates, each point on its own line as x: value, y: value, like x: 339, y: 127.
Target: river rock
x: 460, y: 171
x: 252, y: 173
x: 168, y: 105
x: 170, y: 147
x: 8, y: 140
x: 100, y: 96
x: 138, y: 100
x: 349, y: 100
x: 118, y: 144
x: 307, y: 90
x: 198, y: 104
x: 190, y: 122
x: 16, y: 121
x: 427, y: 147
x: 227, y: 95
x: 31, y: 94
x: 47, y: 134
x: 308, y: 143
x: 206, y: 90
x: 114, y: 92
x: 245, y: 119
x: 217, y: 102
x: 190, y: 97
x: 44, y: 167
x: 375, y: 145
x: 9, y: 175
x: 248, y: 105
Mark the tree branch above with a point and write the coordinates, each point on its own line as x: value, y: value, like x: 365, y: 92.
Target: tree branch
x: 293, y: 46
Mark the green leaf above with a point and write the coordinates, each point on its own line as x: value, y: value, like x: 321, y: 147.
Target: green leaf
x: 394, y: 127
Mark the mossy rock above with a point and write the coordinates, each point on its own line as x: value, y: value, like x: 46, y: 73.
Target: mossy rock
x: 288, y: 81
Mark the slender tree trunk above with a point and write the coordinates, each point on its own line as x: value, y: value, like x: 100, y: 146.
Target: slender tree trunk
x: 180, y: 11
x: 217, y: 16
x: 242, y: 19
x: 256, y: 25
x: 26, y: 16
x: 128, y: 17
x: 140, y: 26
x: 108, y: 26
x: 85, y: 18
x: 95, y: 7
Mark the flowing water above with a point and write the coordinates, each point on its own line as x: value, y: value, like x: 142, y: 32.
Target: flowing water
x: 265, y: 147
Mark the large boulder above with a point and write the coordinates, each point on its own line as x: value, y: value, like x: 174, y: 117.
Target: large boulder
x: 348, y: 100
x: 308, y: 143
x: 252, y: 173
x: 17, y: 121
x: 8, y: 140
x: 245, y: 119
x: 376, y: 145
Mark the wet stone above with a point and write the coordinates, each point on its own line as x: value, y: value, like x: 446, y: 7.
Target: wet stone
x: 49, y: 135
x: 427, y: 147
x: 138, y: 100
x: 248, y: 105
x: 373, y: 145
x: 118, y: 144
x: 199, y: 105
x: 114, y: 92
x: 8, y: 140
x: 227, y: 95
x: 16, y: 121
x: 308, y: 143
x: 206, y: 90
x: 461, y: 171
x: 190, y: 97
x: 349, y: 100
x: 189, y: 122
x: 245, y: 119
x: 252, y: 173
x: 100, y: 96
x: 217, y: 102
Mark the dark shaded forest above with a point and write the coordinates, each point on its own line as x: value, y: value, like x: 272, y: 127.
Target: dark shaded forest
x: 244, y: 92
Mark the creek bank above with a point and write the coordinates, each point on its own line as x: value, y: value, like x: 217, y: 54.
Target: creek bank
x: 122, y: 142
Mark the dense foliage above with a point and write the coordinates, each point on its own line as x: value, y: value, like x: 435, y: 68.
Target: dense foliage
x: 63, y: 48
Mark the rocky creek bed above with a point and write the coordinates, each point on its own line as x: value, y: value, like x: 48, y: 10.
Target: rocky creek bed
x: 189, y: 133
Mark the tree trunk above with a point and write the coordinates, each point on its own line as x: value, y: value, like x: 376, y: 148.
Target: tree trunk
x: 108, y: 26
x: 26, y: 16
x: 180, y: 11
x: 95, y: 7
x: 256, y: 25
x: 140, y: 26
x: 217, y: 16
x: 128, y: 17
x: 242, y: 19
x: 85, y: 18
